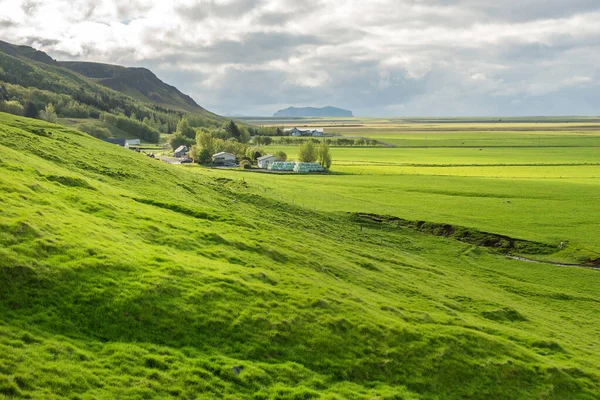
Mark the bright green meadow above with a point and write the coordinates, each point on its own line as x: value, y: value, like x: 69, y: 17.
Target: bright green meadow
x: 122, y: 277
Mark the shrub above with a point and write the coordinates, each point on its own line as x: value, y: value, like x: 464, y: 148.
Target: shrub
x: 132, y: 126
x: 49, y: 113
x: 281, y: 156
x: 12, y: 107
x: 95, y: 130
x: 245, y: 164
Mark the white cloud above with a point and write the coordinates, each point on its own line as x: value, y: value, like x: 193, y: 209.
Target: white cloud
x: 377, y: 57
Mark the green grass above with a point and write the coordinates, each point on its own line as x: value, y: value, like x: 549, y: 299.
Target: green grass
x: 125, y: 277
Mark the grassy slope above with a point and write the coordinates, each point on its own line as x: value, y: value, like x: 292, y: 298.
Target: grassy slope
x: 139, y: 83
x: 121, y: 276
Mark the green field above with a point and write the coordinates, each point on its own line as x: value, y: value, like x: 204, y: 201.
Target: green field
x: 546, y: 194
x: 125, y: 277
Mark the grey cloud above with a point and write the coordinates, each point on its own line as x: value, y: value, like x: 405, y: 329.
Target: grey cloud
x: 252, y: 48
x: 406, y: 57
x: 516, y: 10
x: 206, y: 9
x: 36, y: 41
x: 30, y: 7
x: 6, y: 22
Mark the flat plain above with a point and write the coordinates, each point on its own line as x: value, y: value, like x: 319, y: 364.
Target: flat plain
x: 537, y: 180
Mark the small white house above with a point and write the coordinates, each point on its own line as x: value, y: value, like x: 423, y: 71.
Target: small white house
x: 264, y: 161
x: 223, y: 158
x: 181, y: 151
x: 134, y: 142
x: 304, y: 132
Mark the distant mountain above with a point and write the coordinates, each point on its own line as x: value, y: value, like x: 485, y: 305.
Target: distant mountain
x: 139, y: 83
x: 313, y: 112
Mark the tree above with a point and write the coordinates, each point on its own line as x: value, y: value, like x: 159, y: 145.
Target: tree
x: 244, y: 135
x: 307, y: 152
x: 194, y: 153
x: 206, y: 141
x: 324, y: 156
x: 184, y: 128
x: 233, y: 130
x: 254, y: 152
x: 204, y: 156
x: 177, y: 139
x: 48, y: 114
x: 31, y: 110
x: 281, y: 156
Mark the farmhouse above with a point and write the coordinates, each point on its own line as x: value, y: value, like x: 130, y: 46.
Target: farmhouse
x: 304, y: 132
x: 181, y: 151
x: 223, y: 158
x: 264, y: 161
x: 118, y: 142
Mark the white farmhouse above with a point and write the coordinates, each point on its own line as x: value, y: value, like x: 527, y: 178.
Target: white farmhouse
x: 264, y: 161
x: 223, y: 158
x: 304, y: 132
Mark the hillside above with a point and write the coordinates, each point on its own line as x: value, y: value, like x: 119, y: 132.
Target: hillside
x: 124, y: 277
x: 139, y: 83
x: 30, y: 80
x: 313, y: 112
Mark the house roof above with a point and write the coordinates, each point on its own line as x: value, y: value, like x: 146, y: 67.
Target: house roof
x: 304, y: 130
x: 119, y: 141
x: 223, y: 153
x: 181, y: 148
x: 265, y: 157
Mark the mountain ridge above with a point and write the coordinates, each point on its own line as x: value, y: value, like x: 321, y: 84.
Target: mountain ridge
x: 138, y: 82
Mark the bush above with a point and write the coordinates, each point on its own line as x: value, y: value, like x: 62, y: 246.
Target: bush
x: 12, y: 107
x: 95, y: 130
x: 281, y: 156
x: 49, y: 113
x: 177, y: 139
x: 245, y: 164
x: 133, y: 127
x: 204, y: 156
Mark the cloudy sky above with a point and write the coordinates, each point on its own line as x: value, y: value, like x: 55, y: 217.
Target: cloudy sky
x: 376, y: 57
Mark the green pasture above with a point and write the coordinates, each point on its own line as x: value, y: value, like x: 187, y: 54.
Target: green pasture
x: 124, y: 277
x: 481, y: 139
x: 457, y: 156
x: 545, y: 194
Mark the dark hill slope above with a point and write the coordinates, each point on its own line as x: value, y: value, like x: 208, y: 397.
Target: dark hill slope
x: 129, y: 90
x: 124, y: 277
x: 26, y: 52
x: 139, y: 83
x: 295, y: 112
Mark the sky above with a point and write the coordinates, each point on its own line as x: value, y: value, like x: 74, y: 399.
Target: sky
x: 375, y: 57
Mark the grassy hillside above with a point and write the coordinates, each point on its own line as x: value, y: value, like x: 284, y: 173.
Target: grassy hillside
x: 139, y: 83
x: 30, y: 80
x: 124, y: 277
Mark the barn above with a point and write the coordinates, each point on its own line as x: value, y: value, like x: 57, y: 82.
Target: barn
x: 264, y: 161
x: 223, y: 158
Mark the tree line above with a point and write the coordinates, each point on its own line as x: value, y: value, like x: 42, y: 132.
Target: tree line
x: 331, y: 142
x: 235, y: 139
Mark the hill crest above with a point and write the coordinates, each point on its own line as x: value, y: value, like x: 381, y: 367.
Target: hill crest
x: 138, y: 82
